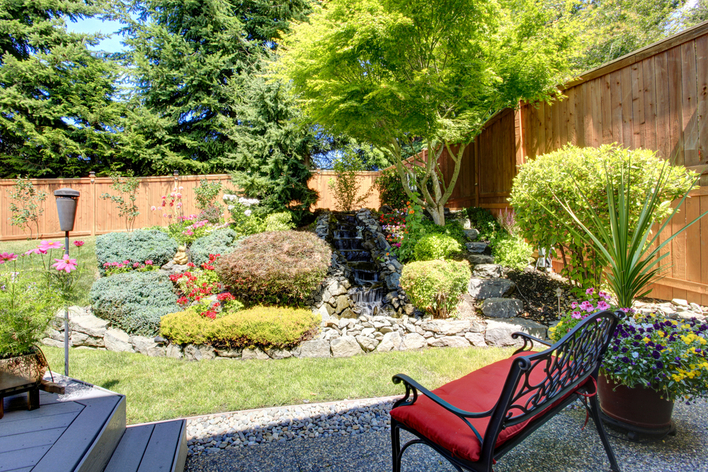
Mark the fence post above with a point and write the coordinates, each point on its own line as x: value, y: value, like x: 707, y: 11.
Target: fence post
x: 92, y: 176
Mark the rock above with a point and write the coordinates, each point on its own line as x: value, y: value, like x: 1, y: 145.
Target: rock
x: 386, y: 329
x: 499, y: 331
x: 346, y: 346
x: 455, y: 341
x: 679, y: 302
x: 367, y: 344
x: 478, y: 248
x: 147, y: 346
x: 230, y: 353
x: 279, y: 353
x: 368, y: 331
x: 254, y: 353
x: 393, y: 281
x: 696, y: 308
x: 117, y: 340
x: 481, y: 289
x: 487, y: 271
x: 171, y: 268
x: 436, y: 342
x: 54, y: 334
x: 52, y: 342
x: 464, y: 222
x: 476, y: 259
x: 390, y: 342
x: 502, y: 307
x: 197, y: 353
x: 471, y: 234
x: 348, y: 313
x: 413, y: 341
x: 476, y: 339
x: 82, y: 339
x: 447, y: 327
x: 89, y: 324
x: 408, y: 309
x: 343, y: 302
x: 325, y: 311
x: 174, y: 351
x: 314, y: 348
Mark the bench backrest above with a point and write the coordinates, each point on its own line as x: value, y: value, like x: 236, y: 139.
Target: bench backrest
x: 567, y: 364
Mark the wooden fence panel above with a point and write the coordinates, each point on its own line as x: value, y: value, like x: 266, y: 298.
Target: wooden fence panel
x: 320, y: 182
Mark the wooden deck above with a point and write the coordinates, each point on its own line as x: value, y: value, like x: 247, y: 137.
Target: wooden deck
x: 85, y: 431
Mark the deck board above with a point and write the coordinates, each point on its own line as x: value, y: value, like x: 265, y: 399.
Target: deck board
x: 22, y: 458
x: 131, y: 449
x: 163, y: 447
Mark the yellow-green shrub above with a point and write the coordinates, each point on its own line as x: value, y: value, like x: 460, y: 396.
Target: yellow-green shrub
x: 269, y: 327
x: 436, y: 286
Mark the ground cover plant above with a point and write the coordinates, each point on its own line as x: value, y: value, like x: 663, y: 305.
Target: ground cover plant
x: 139, y: 246
x: 155, y: 386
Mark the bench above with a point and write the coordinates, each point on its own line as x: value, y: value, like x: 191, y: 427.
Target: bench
x: 475, y: 420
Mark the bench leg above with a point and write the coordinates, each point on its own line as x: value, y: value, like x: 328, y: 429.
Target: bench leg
x: 33, y: 399
x: 2, y: 407
x: 396, y: 445
x: 595, y: 413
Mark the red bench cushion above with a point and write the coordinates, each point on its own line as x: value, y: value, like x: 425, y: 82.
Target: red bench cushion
x: 478, y: 391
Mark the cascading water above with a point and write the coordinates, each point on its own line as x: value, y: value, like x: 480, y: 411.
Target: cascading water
x: 367, y: 292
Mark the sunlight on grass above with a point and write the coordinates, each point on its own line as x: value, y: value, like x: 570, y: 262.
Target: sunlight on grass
x: 160, y: 388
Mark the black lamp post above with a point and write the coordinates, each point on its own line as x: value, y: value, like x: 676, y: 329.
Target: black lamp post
x: 67, y: 200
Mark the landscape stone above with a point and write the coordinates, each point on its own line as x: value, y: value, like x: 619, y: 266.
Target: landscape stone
x: 314, y: 348
x: 117, y: 340
x: 147, y: 346
x: 499, y: 331
x: 436, y: 342
x: 478, y: 247
x: 390, y: 342
x: 455, y: 341
x: 346, y: 346
x: 487, y: 271
x: 476, y: 339
x: 89, y: 324
x: 680, y: 302
x: 279, y: 353
x: 52, y: 342
x: 254, y: 353
x: 82, y: 339
x: 367, y: 343
x: 476, y: 259
x: 502, y: 307
x: 413, y: 341
x: 471, y: 234
x: 174, y: 351
x: 447, y: 327
x: 481, y: 289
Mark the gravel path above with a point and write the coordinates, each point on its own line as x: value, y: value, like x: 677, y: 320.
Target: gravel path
x: 355, y: 436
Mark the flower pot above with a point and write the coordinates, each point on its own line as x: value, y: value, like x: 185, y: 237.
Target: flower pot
x: 634, y: 409
x: 30, y: 366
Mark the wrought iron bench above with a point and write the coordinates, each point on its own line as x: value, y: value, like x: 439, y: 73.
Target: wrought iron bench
x: 475, y: 420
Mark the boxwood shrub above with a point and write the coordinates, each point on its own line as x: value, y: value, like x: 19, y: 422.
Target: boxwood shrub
x: 134, y: 301
x: 138, y: 246
x: 221, y: 241
x: 436, y: 286
x: 265, y: 327
x: 275, y: 268
x: 436, y: 246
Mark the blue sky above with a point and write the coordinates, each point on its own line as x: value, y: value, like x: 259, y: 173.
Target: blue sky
x: 95, y: 25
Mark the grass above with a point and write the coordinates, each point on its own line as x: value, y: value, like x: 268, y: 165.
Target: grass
x: 86, y: 257
x: 161, y: 388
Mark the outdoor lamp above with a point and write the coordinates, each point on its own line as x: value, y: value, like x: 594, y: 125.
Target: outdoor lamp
x: 67, y: 199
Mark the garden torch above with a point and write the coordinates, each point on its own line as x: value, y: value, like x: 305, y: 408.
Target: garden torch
x: 66, y: 207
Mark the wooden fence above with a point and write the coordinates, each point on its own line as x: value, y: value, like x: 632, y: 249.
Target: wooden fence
x: 320, y: 182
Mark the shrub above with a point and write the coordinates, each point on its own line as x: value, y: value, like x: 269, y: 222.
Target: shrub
x: 138, y: 246
x: 134, y: 302
x: 436, y: 286
x: 513, y: 252
x: 213, y: 214
x: 345, y: 185
x: 26, y: 207
x: 206, y: 194
x: 220, y: 241
x: 436, y: 246
x: 483, y: 221
x: 280, y: 267
x: 282, y: 221
x: 416, y: 228
x: 266, y: 327
x: 390, y: 188
x: 579, y: 176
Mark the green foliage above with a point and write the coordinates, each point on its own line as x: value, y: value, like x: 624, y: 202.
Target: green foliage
x: 389, y: 72
x: 264, y: 327
x: 436, y: 246
x: 391, y: 191
x: 620, y: 232
x: 25, y: 208
x: 513, y: 252
x: 345, y: 186
x: 483, y: 221
x: 206, y: 193
x: 282, y: 221
x: 580, y: 176
x: 220, y: 241
x: 436, y: 286
x: 134, y: 302
x: 416, y: 228
x: 138, y: 246
x: 125, y: 201
x: 213, y: 214
x: 275, y: 268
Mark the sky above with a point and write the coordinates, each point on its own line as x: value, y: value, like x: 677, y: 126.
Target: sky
x: 95, y: 25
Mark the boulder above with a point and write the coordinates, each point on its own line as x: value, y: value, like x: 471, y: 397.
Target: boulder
x: 487, y: 271
x: 447, y: 327
x: 502, y: 307
x: 254, y: 353
x: 476, y: 259
x: 393, y: 281
x: 481, y: 289
x: 476, y: 339
x: 499, y: 331
x: 52, y: 342
x: 436, y: 342
x: 413, y: 341
x: 390, y: 342
x: 314, y: 348
x: 89, y: 324
x: 455, y: 341
x: 117, y: 340
x: 342, y: 303
x: 198, y: 353
x: 174, y: 351
x: 478, y: 248
x: 367, y: 343
x: 346, y: 346
x: 471, y: 234
x: 279, y: 353
x: 82, y: 339
x: 147, y: 346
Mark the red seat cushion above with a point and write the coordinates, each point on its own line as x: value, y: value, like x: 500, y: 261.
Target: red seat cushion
x: 478, y: 391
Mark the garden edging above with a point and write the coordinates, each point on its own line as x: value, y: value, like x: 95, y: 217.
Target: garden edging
x: 344, y: 337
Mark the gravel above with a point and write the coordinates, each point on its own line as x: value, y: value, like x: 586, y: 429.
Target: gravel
x: 355, y: 435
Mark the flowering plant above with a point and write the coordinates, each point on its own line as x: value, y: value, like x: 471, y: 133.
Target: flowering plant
x: 595, y: 301
x: 171, y: 204
x: 244, y: 214
x: 197, y: 284
x: 128, y: 266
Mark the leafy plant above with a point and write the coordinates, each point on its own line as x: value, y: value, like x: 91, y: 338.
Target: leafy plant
x: 436, y: 286
x: 580, y: 176
x: 282, y: 221
x: 213, y: 214
x: 278, y: 268
x: 112, y: 268
x: 512, y: 251
x: 345, y: 186
x: 245, y: 214
x: 436, y: 246
x: 594, y: 301
x: 125, y: 200
x: 390, y: 189
x: 483, y: 221
x: 140, y: 245
x: 171, y: 205
x: 265, y: 327
x: 206, y: 193
x: 26, y: 208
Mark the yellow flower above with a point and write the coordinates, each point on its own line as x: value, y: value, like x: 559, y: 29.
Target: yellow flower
x: 646, y: 340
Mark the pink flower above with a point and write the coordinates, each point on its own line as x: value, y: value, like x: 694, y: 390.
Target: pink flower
x: 574, y: 304
x: 126, y: 262
x: 136, y: 265
x: 590, y: 291
x: 163, y: 197
x: 44, y: 245
x: 153, y: 208
x: 78, y: 243
x: 602, y: 305
x: 148, y: 262
x: 7, y: 257
x: 65, y: 264
x: 587, y: 306
x: 577, y: 315
x: 36, y: 251
x: 179, y: 204
x: 178, y: 195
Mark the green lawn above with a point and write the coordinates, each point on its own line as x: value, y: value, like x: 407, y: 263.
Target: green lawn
x: 160, y: 388
x: 86, y: 256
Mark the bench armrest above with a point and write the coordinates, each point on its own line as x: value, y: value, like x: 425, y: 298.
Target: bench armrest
x: 528, y: 341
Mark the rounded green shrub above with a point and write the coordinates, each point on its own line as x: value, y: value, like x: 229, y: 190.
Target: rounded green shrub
x: 138, y: 246
x: 436, y: 246
x: 275, y: 268
x: 282, y: 221
x: 513, y: 252
x: 220, y: 241
x: 266, y: 327
x: 134, y: 301
x: 436, y: 286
